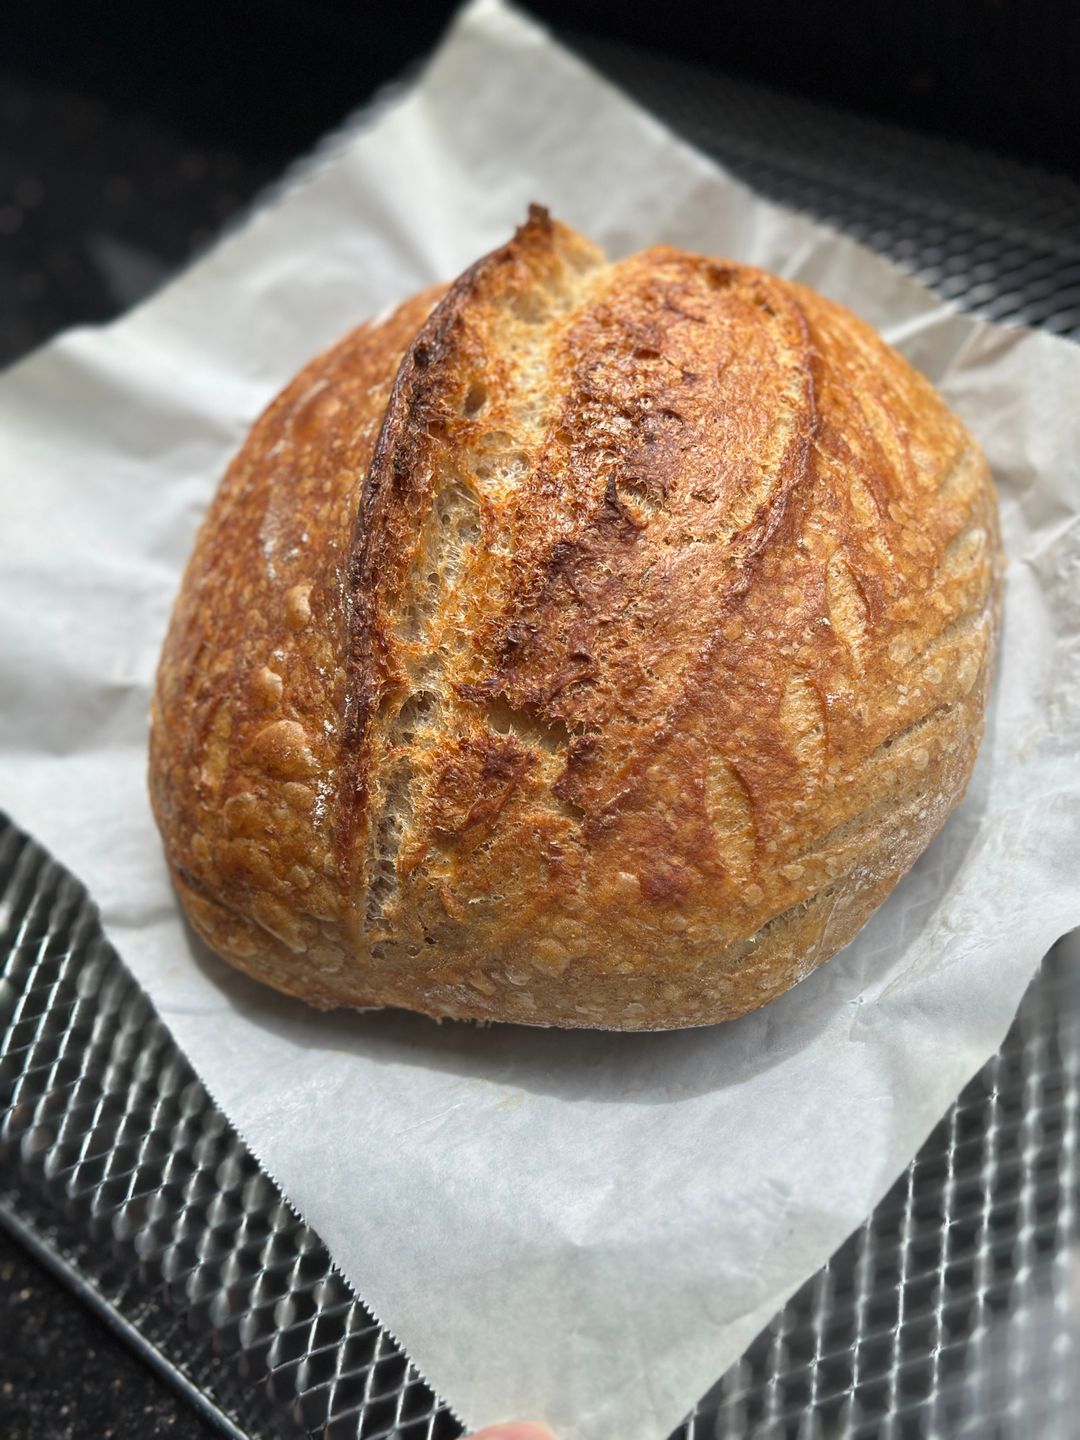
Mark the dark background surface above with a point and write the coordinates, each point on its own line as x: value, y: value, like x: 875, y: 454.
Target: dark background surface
x: 129, y: 134
x: 63, y: 1376
x: 272, y: 74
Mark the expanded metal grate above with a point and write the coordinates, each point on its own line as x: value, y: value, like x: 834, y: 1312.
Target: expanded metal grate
x: 113, y: 1152
x: 954, y: 1311
x: 1000, y: 238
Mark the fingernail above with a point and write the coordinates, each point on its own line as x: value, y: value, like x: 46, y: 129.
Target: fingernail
x: 518, y: 1430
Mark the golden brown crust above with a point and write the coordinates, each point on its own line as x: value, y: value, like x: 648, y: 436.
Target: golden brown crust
x: 245, y: 739
x: 614, y: 684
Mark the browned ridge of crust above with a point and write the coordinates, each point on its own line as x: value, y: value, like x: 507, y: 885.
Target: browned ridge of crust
x: 587, y: 644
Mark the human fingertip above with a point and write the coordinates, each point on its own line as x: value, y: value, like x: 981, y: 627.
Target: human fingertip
x: 515, y: 1430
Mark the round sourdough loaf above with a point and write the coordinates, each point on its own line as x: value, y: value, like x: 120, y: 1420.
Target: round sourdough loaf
x: 586, y: 644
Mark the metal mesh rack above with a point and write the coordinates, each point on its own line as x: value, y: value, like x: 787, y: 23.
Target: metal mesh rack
x: 997, y: 237
x: 955, y: 1309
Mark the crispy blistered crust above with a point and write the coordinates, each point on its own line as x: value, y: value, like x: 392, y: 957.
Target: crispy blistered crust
x: 598, y: 649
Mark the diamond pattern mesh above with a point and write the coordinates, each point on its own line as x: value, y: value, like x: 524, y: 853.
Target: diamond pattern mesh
x: 110, y: 1144
x: 995, y: 236
x: 952, y: 1312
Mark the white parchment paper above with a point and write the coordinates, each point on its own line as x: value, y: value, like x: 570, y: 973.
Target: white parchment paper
x: 582, y: 1228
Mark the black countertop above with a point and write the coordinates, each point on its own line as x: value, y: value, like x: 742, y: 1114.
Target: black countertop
x: 64, y: 1376
x: 97, y: 207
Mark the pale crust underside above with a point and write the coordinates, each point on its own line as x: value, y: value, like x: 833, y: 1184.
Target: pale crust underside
x: 597, y: 649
